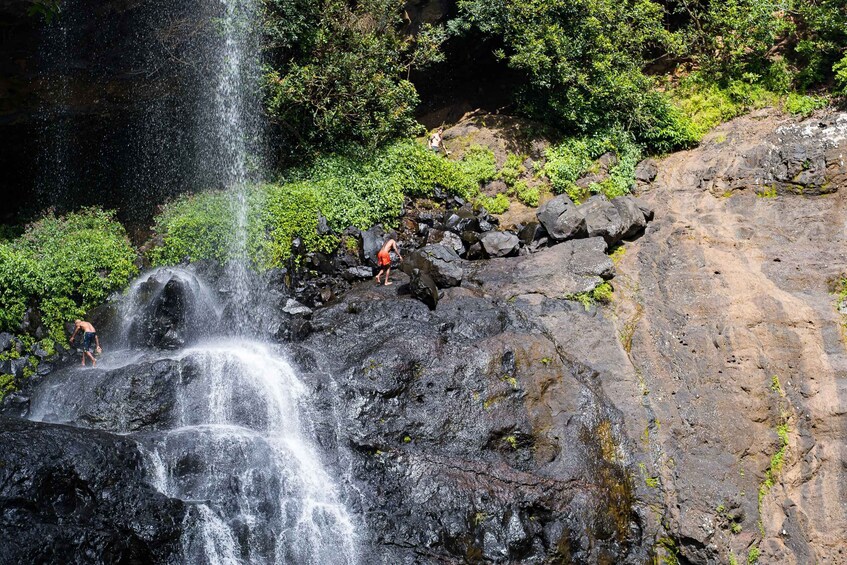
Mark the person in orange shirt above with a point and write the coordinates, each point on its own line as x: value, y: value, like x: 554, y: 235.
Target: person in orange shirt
x: 384, y: 260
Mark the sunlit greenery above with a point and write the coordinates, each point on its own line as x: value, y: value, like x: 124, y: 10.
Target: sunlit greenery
x: 61, y: 267
x: 348, y: 190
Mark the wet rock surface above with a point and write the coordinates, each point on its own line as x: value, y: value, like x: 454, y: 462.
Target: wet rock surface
x: 469, y: 438
x: 79, y: 496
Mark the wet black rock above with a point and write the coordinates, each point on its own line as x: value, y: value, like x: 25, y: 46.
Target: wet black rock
x: 441, y: 263
x: 470, y: 438
x: 561, y: 218
x: 372, y: 241
x: 531, y: 232
x: 6, y: 341
x: 360, y: 272
x: 499, y: 244
x: 14, y: 367
x: 80, y: 496
x: 141, y: 396
x: 423, y: 288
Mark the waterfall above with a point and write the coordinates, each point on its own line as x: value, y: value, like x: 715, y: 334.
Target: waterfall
x: 232, y: 439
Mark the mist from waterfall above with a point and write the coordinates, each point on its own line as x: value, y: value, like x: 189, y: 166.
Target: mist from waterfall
x: 235, y: 443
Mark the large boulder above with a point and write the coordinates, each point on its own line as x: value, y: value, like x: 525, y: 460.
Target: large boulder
x: 602, y: 219
x: 372, y: 241
x: 561, y: 218
x: 80, y: 496
x: 646, y: 171
x: 441, y: 263
x: 446, y: 238
x: 6, y: 340
x: 423, y: 288
x: 615, y: 219
x: 499, y: 244
x: 462, y: 219
x: 572, y: 267
x: 632, y: 217
x: 531, y: 232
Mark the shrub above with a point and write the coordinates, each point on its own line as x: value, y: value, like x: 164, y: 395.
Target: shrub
x: 803, y: 105
x: 840, y: 70
x: 63, y: 267
x: 358, y: 188
x: 478, y: 165
x: 526, y: 194
x: 512, y: 169
x: 496, y: 204
x: 569, y: 160
x: 707, y: 104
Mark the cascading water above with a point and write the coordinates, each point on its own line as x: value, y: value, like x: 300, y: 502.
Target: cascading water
x: 229, y: 439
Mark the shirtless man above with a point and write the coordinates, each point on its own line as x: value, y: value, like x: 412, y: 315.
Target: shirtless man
x: 384, y: 260
x: 89, y: 340
x: 436, y: 142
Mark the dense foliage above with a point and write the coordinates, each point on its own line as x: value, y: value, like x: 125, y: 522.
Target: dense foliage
x: 347, y: 190
x: 569, y: 160
x: 338, y: 71
x: 61, y: 267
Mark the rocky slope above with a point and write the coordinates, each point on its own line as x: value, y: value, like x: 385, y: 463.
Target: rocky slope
x: 731, y: 331
x: 697, y: 417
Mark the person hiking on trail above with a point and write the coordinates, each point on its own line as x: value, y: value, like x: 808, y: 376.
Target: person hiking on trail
x: 384, y: 260
x: 436, y: 142
x: 89, y: 340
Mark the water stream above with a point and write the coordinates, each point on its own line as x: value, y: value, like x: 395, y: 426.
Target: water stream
x: 233, y: 439
x: 234, y: 443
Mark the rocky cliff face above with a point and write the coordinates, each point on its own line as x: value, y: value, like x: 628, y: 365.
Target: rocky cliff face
x: 732, y: 373
x: 696, y: 417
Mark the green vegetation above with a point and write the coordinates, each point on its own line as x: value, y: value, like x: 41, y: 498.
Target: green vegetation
x: 496, y: 204
x: 338, y: 72
x: 753, y: 555
x: 602, y: 293
x: 341, y: 72
x: 767, y: 192
x: 359, y: 190
x: 526, y: 194
x: 707, y: 104
x: 666, y: 552
x: 574, y: 157
x: 803, y: 104
x: 62, y: 267
x: 512, y: 169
